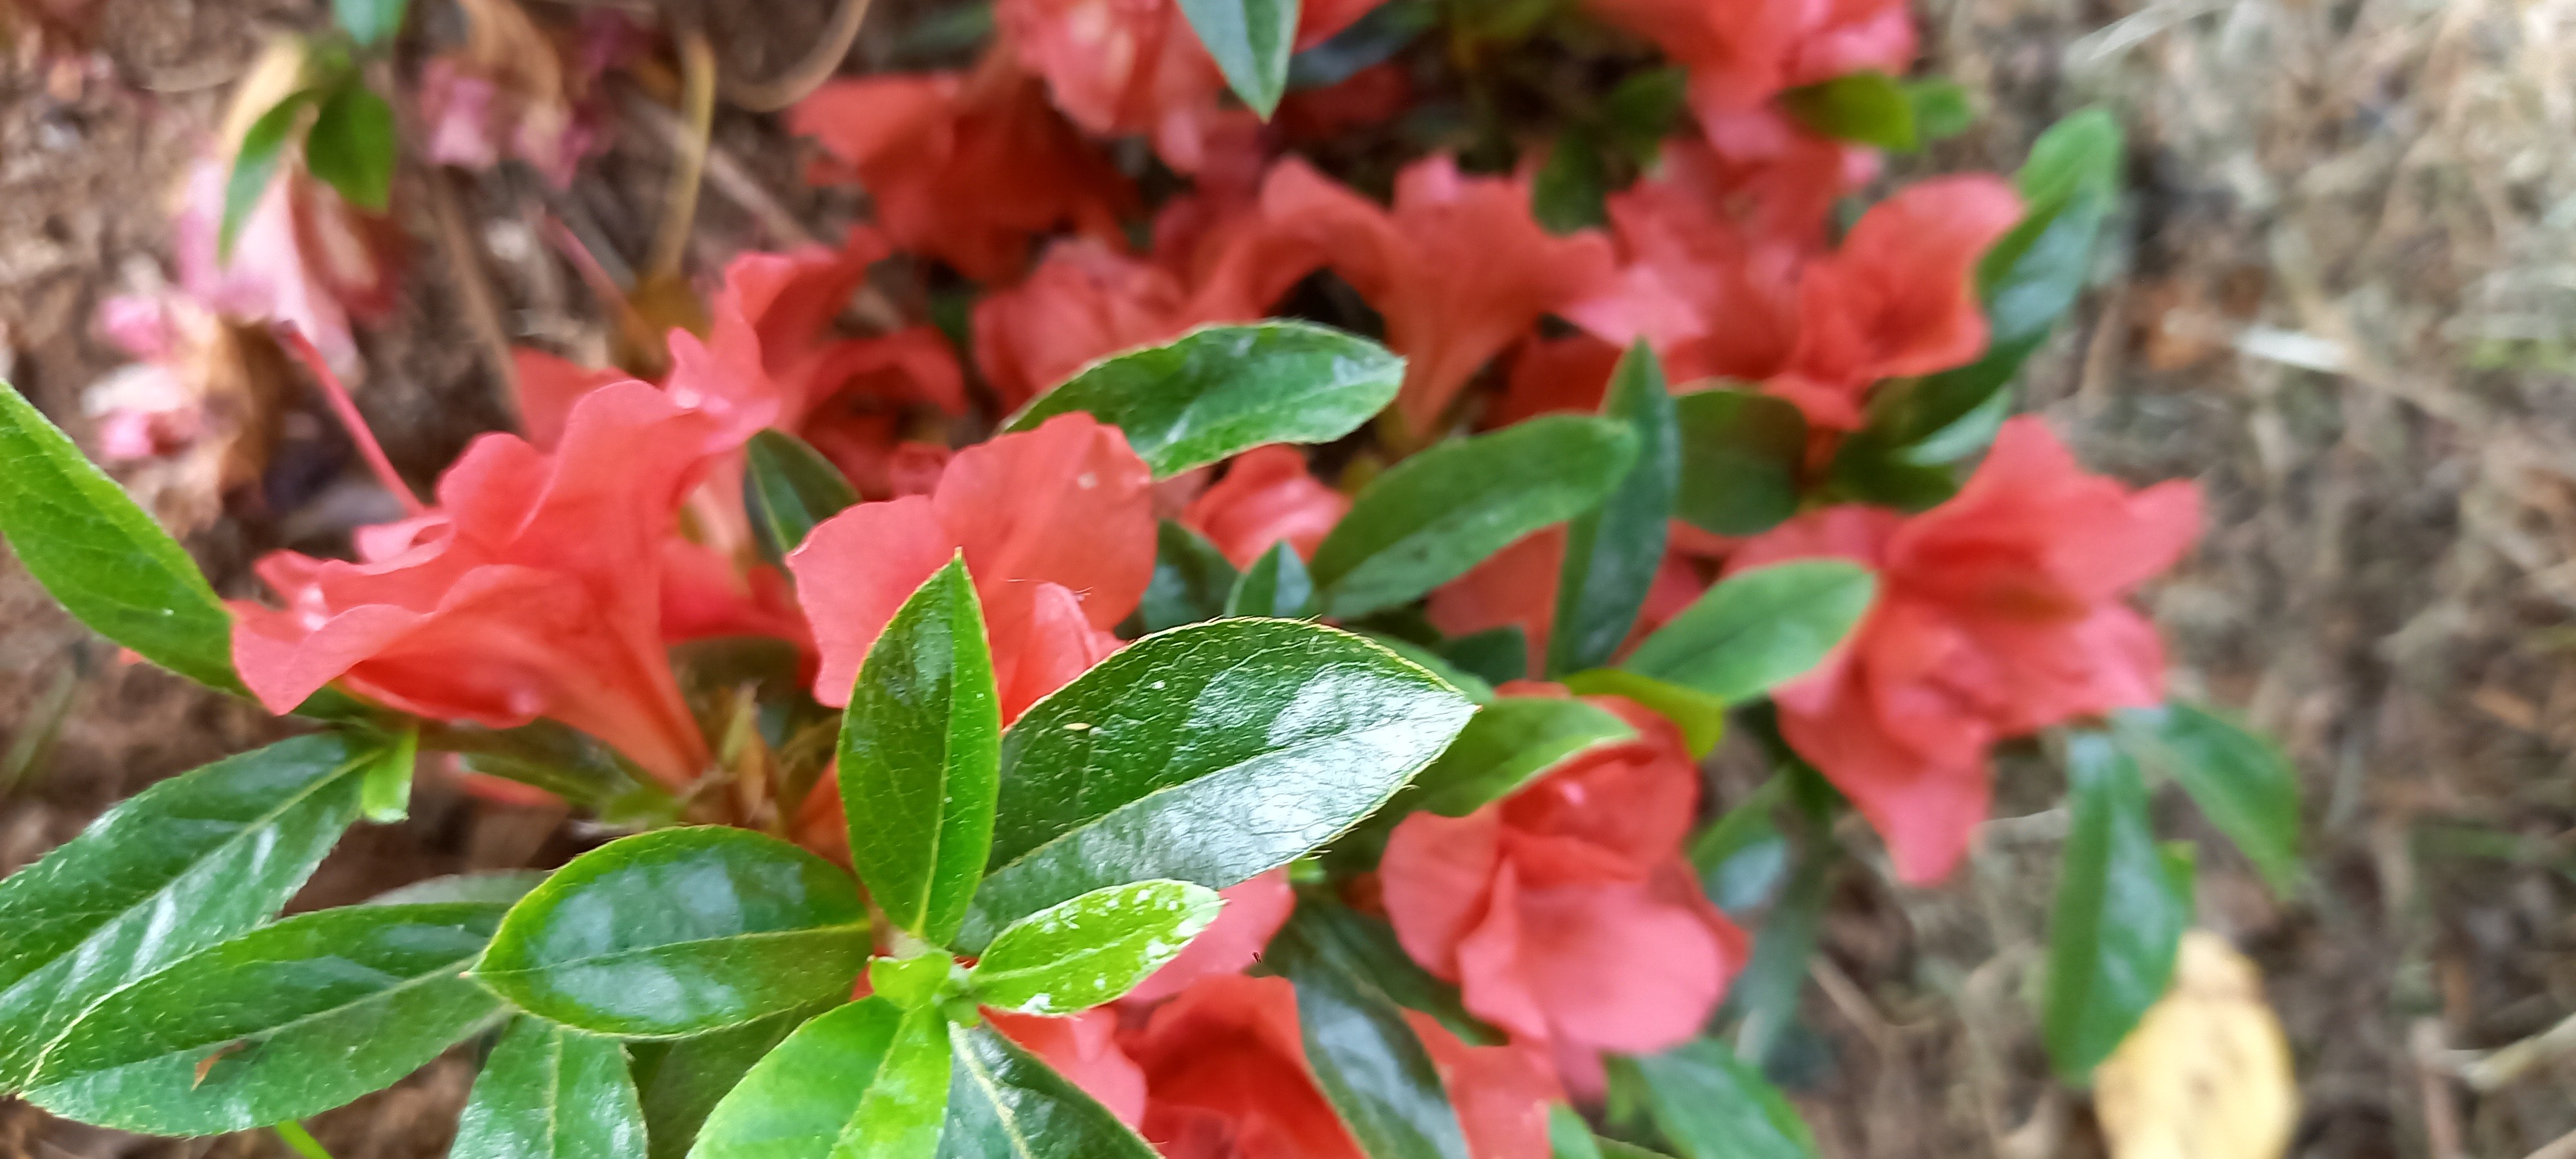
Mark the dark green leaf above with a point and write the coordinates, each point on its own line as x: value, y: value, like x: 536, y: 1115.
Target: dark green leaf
x: 263, y: 149
x: 920, y: 758
x: 2242, y: 784
x: 680, y: 931
x: 285, y: 1021
x: 1740, y: 457
x: 551, y: 1092
x: 190, y: 862
x: 1613, y: 551
x: 1251, y: 41
x: 1005, y: 1104
x: 1495, y: 655
x: 370, y: 22
x: 1476, y: 687
x: 107, y: 562
x: 1941, y: 108
x: 1275, y: 585
x: 1365, y: 1058
x: 1204, y: 754
x: 1507, y: 744
x: 1364, y: 947
x: 1568, y: 193
x: 1221, y: 390
x: 1758, y: 629
x: 1641, y: 111
x: 351, y: 145
x: 2119, y: 915
x: 787, y: 488
x: 1431, y: 517
x: 1710, y: 1105
x: 384, y: 793
x: 552, y: 757
x: 1191, y: 580
x: 1370, y: 40
x: 1074, y: 955
x: 1701, y: 717
x: 1868, y: 107
x: 504, y: 887
x: 1764, y: 997
x: 1742, y: 855
x: 867, y: 1081
x: 682, y: 1079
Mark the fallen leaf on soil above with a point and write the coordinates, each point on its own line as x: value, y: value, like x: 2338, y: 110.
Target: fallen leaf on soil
x: 2206, y: 1074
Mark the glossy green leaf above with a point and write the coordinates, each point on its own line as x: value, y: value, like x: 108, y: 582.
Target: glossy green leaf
x: 369, y: 22
x: 1204, y: 754
x: 1276, y: 584
x: 1365, y: 947
x: 920, y: 758
x: 1074, y: 955
x: 1370, y: 40
x: 1570, y: 191
x: 1251, y: 41
x: 1710, y: 1105
x: 2119, y: 915
x: 504, y: 887
x: 551, y: 1092
x: 1367, y: 1061
x: 107, y: 562
x: 351, y: 145
x: 681, y: 1079
x: 1870, y: 108
x: 1192, y: 580
x: 680, y: 931
x: 1613, y: 551
x: 1005, y: 1104
x: 1701, y: 717
x: 1431, y: 517
x: 1218, y: 391
x: 924, y: 979
x: 192, y: 861
x: 283, y: 1022
x: 1741, y: 454
x: 1758, y: 629
x: 1507, y: 744
x: 869, y: 1080
x: 384, y: 791
x: 255, y: 164
x: 787, y: 488
x: 2246, y: 787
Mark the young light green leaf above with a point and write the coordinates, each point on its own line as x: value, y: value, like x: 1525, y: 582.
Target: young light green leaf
x: 924, y: 979
x: 1074, y: 955
x: 1710, y: 1105
x: 1275, y: 585
x: 1369, y: 1063
x: 2119, y: 916
x: 283, y: 1022
x: 787, y: 488
x: 107, y: 562
x: 680, y: 931
x: 1941, y: 108
x: 1568, y: 1136
x: 2242, y: 784
x: 681, y: 1079
x: 1204, y: 754
x: 1251, y: 41
x: 255, y: 164
x: 920, y: 758
x: 351, y: 145
x: 1191, y: 580
x: 869, y: 1080
x: 1758, y: 629
x: 384, y: 792
x: 1507, y: 744
x: 1740, y: 455
x: 551, y: 1092
x: 190, y: 862
x: 1868, y: 107
x: 1700, y: 716
x: 1218, y: 391
x: 1431, y: 517
x: 369, y: 22
x: 1613, y: 551
x: 1005, y: 1104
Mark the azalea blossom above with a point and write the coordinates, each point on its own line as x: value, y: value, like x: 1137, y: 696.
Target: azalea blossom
x: 2000, y: 612
x: 1226, y: 1078
x: 1266, y: 497
x: 1083, y: 1048
x: 1742, y: 52
x: 1254, y: 910
x: 1501, y: 1092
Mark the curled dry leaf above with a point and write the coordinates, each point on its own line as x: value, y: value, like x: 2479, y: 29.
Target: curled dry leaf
x: 2206, y: 1075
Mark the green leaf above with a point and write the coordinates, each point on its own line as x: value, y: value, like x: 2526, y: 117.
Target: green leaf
x: 351, y: 145
x: 1641, y: 111
x: 1764, y: 996
x: 566, y: 763
x: 2119, y: 915
x: 682, y: 1079
x: 1074, y: 955
x: 108, y: 563
x: 190, y: 862
x: 678, y: 932
x: 1571, y: 189
x: 2242, y: 784
x: 1710, y: 1105
x: 1868, y: 107
x: 1701, y: 717
x: 1364, y: 947
x: 1941, y: 108
x: 920, y: 758
x: 1431, y: 517
x: 369, y: 22
x: 1218, y: 391
x: 787, y: 488
x: 1371, y: 40
x: 384, y: 792
x: 2080, y: 153
x: 1758, y: 629
x: 1005, y: 1104
x: 1568, y: 1136
x: 1741, y: 453
x: 1191, y: 581
x: 1205, y: 754
x: 1741, y: 856
x: 504, y: 887
x: 867, y: 1081
x: 1507, y: 744
x: 551, y: 1092
x: 1613, y: 551
x: 1368, y: 1062
x: 1476, y: 687
x: 1275, y: 585
x: 283, y: 1022
x: 924, y: 979
x: 1251, y: 41
x: 263, y: 149
x: 1496, y: 655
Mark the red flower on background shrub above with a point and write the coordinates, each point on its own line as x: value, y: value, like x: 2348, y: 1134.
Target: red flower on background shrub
x: 1742, y: 52
x: 1226, y: 1078
x: 1501, y: 1093
x: 2000, y: 612
x: 1266, y: 496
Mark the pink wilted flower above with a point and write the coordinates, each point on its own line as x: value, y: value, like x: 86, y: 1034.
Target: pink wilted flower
x: 1742, y: 52
x: 511, y: 90
x: 2000, y: 612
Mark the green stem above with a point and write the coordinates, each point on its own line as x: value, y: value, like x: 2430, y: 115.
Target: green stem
x: 301, y: 1140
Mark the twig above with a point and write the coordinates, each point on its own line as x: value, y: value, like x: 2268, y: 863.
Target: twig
x: 2505, y: 1064
x: 688, y: 169
x: 2441, y: 1110
x: 474, y: 286
x: 723, y: 172
x: 808, y: 74
x: 2562, y: 1147
x: 345, y: 407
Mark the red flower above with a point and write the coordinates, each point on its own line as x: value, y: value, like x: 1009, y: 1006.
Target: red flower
x: 1226, y: 1078
x: 1741, y: 52
x: 1254, y: 910
x: 534, y: 589
x: 1083, y: 1048
x: 1999, y: 613
x: 1266, y: 496
x: 1516, y: 588
x: 1565, y: 912
x: 1501, y: 1093
x: 1058, y: 531
x: 965, y: 168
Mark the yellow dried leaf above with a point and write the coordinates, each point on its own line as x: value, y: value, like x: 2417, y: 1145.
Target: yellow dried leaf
x: 2206, y: 1074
